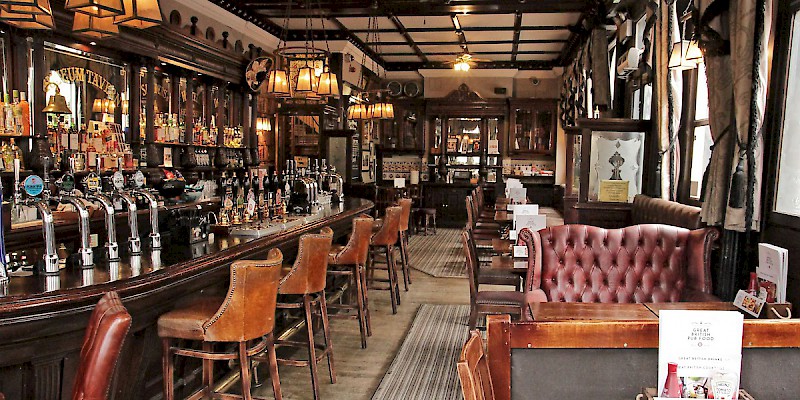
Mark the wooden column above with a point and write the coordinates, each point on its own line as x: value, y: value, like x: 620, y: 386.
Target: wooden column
x: 189, y: 114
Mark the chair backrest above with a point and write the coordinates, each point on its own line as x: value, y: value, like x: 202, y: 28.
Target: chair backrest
x: 649, y: 210
x: 357, y: 248
x: 308, y: 274
x: 473, y: 370
x: 102, y: 344
x: 470, y: 212
x: 405, y: 213
x: 472, y: 265
x: 388, y: 233
x: 637, y: 264
x: 248, y: 311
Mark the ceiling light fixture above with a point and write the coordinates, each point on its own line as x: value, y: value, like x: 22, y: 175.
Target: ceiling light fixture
x: 462, y: 62
x: 685, y: 53
x: 96, y: 8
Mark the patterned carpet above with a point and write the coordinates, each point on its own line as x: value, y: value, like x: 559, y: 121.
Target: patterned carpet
x: 424, y: 368
x: 442, y: 255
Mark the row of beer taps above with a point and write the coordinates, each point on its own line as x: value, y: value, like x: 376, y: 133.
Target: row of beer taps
x: 35, y: 192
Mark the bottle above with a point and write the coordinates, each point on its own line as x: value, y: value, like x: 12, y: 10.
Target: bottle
x: 8, y: 157
x: 17, y: 153
x: 17, y: 111
x: 25, y: 109
x: 752, y: 287
x: 8, y: 109
x: 2, y: 115
x: 672, y: 386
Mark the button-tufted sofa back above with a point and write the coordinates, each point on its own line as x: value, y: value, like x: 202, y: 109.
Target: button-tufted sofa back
x: 637, y: 264
x: 649, y: 210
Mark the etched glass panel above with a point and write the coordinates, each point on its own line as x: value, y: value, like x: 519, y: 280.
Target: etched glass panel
x: 616, y: 156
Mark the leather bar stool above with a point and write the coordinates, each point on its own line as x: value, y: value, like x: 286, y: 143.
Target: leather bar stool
x: 383, y: 241
x: 405, y: 263
x: 349, y: 260
x: 246, y: 313
x: 102, y: 344
x: 307, y: 278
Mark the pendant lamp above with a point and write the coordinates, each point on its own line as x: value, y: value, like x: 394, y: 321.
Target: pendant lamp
x: 93, y: 27
x: 97, y: 106
x: 685, y: 55
x: 328, y: 84
x: 27, y: 6
x: 96, y: 8
x: 278, y: 83
x: 306, y: 80
x: 140, y: 14
x: 27, y: 21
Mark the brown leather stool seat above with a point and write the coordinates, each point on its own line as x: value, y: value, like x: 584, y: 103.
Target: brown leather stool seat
x: 246, y: 313
x: 382, y: 249
x: 350, y: 260
x: 425, y: 216
x: 102, y: 344
x: 405, y: 263
x: 307, y: 278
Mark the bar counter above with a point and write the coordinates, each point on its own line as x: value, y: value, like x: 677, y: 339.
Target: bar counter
x: 42, y: 319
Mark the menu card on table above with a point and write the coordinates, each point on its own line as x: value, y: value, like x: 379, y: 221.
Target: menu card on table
x: 699, y: 353
x: 771, y: 270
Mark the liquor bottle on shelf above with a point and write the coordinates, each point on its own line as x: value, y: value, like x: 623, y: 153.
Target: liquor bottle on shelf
x: 8, y: 109
x: 8, y: 157
x: 17, y: 111
x: 181, y: 129
x: 25, y: 110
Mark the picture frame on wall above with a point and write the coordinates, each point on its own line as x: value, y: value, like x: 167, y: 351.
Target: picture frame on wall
x: 365, y: 160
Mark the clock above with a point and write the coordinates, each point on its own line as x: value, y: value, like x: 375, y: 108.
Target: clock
x: 411, y: 89
x: 394, y: 88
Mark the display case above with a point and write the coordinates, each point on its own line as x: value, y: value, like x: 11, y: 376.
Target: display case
x: 532, y: 127
x: 403, y: 133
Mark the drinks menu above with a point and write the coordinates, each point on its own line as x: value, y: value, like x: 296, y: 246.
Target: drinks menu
x: 699, y: 354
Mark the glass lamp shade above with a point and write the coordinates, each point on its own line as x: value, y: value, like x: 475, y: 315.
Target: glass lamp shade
x: 328, y: 84
x: 306, y: 80
x: 678, y: 57
x: 358, y: 111
x: 382, y: 110
x: 278, y: 83
x: 140, y: 14
x: 693, y: 53
x: 94, y: 27
x: 26, y: 20
x: 27, y: 6
x: 97, y: 106
x: 109, y: 106
x: 96, y: 8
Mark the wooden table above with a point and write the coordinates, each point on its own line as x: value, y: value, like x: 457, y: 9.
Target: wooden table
x: 502, y: 245
x: 503, y: 216
x: 590, y: 311
x: 507, y: 263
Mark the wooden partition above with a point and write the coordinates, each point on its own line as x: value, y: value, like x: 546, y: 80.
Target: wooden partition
x: 616, y: 359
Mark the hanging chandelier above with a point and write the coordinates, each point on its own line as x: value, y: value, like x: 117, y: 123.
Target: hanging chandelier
x: 303, y: 72
x: 378, y: 109
x: 96, y: 19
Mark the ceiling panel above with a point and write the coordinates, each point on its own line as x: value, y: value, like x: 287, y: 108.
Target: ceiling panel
x: 394, y: 49
x: 402, y: 59
x: 363, y: 23
x: 557, y: 46
x: 494, y: 57
x: 441, y: 58
x: 433, y: 36
x: 384, y: 37
x: 491, y: 47
x: 561, y: 34
x: 300, y: 23
x: 550, y: 19
x: 478, y: 36
x: 486, y: 20
x: 536, y: 57
x: 429, y: 21
x: 444, y: 48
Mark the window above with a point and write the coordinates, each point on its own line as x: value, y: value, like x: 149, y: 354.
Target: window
x: 787, y: 200
x: 702, y: 142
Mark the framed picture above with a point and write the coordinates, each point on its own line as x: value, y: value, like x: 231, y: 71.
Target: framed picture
x: 365, y: 160
x: 452, y: 144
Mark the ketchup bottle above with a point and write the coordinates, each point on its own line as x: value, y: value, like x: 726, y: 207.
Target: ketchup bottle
x: 672, y: 386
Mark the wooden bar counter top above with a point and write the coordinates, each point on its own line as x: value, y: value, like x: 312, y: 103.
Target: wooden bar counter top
x: 42, y: 319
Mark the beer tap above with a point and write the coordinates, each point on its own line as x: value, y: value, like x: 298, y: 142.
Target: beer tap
x: 152, y: 201
x: 66, y: 185
x: 33, y: 186
x: 92, y: 185
x: 134, y: 243
x: 336, y: 185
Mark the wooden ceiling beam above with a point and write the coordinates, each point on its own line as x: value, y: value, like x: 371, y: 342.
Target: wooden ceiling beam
x: 517, y: 26
x: 475, y: 42
x: 478, y: 29
x: 523, y: 65
x: 431, y: 8
x: 359, y: 43
x: 403, y: 31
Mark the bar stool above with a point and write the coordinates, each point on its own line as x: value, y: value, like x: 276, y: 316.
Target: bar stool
x: 383, y: 241
x: 246, y: 313
x: 349, y: 260
x: 102, y: 344
x: 405, y: 263
x: 307, y: 278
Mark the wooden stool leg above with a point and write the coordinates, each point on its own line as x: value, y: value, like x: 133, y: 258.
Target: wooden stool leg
x: 208, y: 371
x: 169, y: 386
x: 427, y: 218
x: 366, y: 299
x: 362, y: 321
x: 403, y: 260
x: 408, y: 259
x: 389, y: 269
x: 273, y: 368
x: 326, y: 332
x: 393, y: 273
x: 244, y: 364
x: 434, y: 224
x: 312, y: 351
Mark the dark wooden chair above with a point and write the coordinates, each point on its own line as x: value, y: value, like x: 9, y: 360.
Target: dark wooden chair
x: 102, y: 344
x: 381, y: 248
x: 473, y: 370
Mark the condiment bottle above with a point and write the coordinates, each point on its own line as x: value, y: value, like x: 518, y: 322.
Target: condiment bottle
x: 672, y: 386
